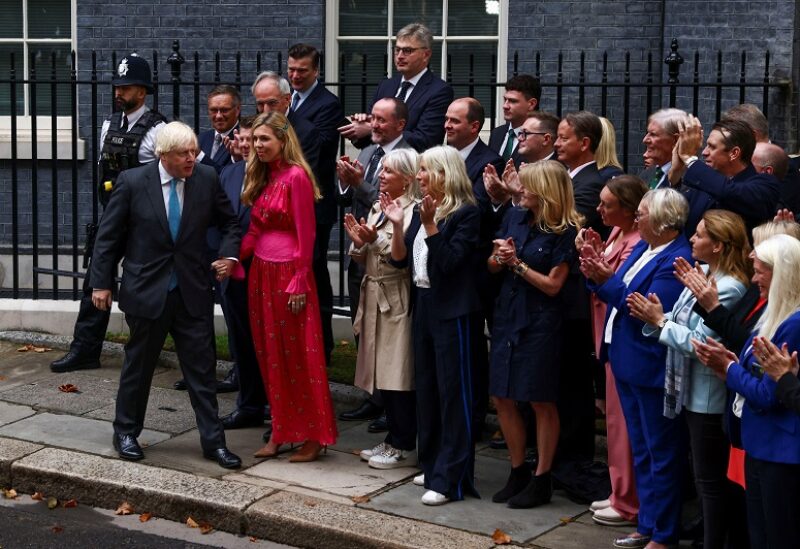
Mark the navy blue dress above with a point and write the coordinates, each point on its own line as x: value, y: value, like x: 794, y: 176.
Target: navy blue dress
x: 526, y: 337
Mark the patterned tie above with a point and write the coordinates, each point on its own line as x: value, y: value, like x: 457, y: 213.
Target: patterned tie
x: 295, y: 101
x: 174, y: 218
x: 124, y: 126
x: 509, y: 150
x: 402, y: 95
x: 656, y: 179
x: 217, y: 143
x: 374, y: 160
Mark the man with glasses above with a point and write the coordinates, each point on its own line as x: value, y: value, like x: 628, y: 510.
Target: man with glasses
x: 426, y: 95
x: 224, y: 107
x: 520, y: 99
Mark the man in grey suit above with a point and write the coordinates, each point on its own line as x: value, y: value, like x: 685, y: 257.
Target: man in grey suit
x: 157, y: 218
x: 358, y: 188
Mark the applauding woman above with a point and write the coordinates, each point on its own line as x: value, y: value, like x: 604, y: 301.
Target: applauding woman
x: 440, y: 247
x: 284, y: 311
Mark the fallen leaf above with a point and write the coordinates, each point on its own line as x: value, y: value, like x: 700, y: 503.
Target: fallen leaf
x: 41, y: 349
x: 360, y: 499
x: 70, y: 503
x: 37, y: 496
x: 253, y: 539
x: 355, y: 452
x: 3, y: 378
x: 500, y: 537
x: 144, y: 517
x: 25, y: 348
x: 566, y: 520
x: 10, y: 494
x: 68, y: 388
x: 190, y: 522
x: 52, y: 502
x: 344, y: 343
x: 124, y: 508
x: 57, y: 529
x: 205, y: 528
x: 309, y: 503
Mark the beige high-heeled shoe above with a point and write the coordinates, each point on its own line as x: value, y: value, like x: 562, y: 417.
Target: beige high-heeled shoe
x: 308, y: 452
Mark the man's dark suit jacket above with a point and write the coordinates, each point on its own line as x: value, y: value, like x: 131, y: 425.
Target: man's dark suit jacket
x: 222, y: 158
x: 477, y: 160
x: 325, y: 113
x: 231, y: 180
x: 586, y: 185
x: 135, y: 223
x: 496, y: 139
x: 308, y: 135
x: 790, y: 188
x: 427, y: 105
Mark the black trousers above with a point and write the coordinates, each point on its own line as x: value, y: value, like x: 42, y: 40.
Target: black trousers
x: 324, y: 289
x: 194, y: 338
x: 576, y: 392
x: 90, y: 326
x: 401, y: 416
x: 773, y: 503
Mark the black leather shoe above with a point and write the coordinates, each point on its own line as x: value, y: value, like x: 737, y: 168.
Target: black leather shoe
x: 632, y: 542
x: 267, y: 413
x: 240, y: 420
x: 224, y: 457
x: 538, y: 492
x: 73, y: 361
x: 180, y: 385
x: 367, y: 410
x: 127, y: 447
x: 230, y: 384
x: 379, y: 425
x: 267, y: 433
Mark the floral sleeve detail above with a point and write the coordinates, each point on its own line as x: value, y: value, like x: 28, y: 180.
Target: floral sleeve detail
x: 301, y: 196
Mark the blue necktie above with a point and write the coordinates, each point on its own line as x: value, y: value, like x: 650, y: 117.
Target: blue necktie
x: 295, y: 101
x: 174, y: 218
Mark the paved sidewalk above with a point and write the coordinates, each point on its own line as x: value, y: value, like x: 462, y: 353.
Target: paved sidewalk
x: 59, y: 444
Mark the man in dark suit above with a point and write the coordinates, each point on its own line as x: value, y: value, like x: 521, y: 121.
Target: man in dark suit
x: 224, y: 107
x: 771, y: 159
x: 519, y: 100
x: 426, y: 95
x: 158, y: 217
x: 659, y: 140
x: 358, y: 188
x: 312, y: 101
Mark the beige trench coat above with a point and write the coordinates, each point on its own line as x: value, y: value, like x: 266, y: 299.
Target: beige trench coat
x: 385, y: 357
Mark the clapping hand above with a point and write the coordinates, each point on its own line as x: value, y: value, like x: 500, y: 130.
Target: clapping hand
x: 350, y: 173
x: 358, y: 128
x: 690, y: 138
x: 775, y: 362
x: 703, y: 288
x: 427, y: 210
x: 511, y: 178
x: 589, y: 243
x: 351, y: 226
x: 494, y: 186
x: 392, y: 209
x: 232, y: 145
x: 595, y: 267
x: 714, y: 355
x: 647, y: 309
x: 506, y: 251
x: 784, y: 215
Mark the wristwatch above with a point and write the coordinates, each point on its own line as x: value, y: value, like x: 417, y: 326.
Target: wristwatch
x: 689, y: 160
x: 663, y: 321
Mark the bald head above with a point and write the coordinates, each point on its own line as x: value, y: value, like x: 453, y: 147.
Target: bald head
x: 463, y: 122
x: 771, y: 159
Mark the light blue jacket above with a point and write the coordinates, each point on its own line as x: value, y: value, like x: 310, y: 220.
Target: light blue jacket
x: 707, y: 393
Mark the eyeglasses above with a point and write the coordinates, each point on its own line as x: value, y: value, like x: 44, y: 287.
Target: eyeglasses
x: 523, y: 134
x: 639, y: 215
x: 406, y: 50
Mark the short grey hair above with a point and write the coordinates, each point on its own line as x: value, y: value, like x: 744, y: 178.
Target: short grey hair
x: 417, y: 31
x: 668, y: 119
x: 668, y: 209
x: 283, y: 85
x: 175, y: 135
x: 406, y: 163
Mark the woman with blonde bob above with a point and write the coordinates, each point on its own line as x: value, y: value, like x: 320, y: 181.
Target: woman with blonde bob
x: 284, y: 310
x: 608, y: 163
x: 382, y: 322
x: 534, y: 252
x: 440, y: 247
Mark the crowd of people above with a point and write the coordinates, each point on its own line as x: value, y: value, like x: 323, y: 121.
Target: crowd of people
x: 531, y: 271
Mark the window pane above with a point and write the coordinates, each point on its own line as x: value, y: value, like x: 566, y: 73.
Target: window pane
x: 5, y: 87
x: 484, y: 65
x: 363, y: 17
x: 472, y: 17
x: 49, y: 19
x: 428, y: 12
x: 11, y: 22
x: 42, y: 56
x: 355, y: 55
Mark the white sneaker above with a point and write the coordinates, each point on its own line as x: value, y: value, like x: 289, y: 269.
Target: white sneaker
x: 610, y: 517
x: 602, y: 504
x: 419, y: 480
x: 366, y: 454
x: 434, y: 498
x: 392, y: 458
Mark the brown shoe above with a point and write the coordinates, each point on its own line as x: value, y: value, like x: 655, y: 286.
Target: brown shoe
x: 309, y: 451
x: 271, y: 450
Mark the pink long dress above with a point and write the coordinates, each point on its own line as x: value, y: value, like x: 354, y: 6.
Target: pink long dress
x: 289, y: 346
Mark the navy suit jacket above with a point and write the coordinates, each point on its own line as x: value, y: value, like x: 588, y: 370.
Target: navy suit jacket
x: 222, y: 158
x: 586, y: 186
x: 496, y: 139
x: 477, y: 160
x: 427, y: 105
x: 752, y: 195
x: 325, y: 113
x: 636, y: 358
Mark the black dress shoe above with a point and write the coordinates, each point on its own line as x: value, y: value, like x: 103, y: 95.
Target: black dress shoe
x: 538, y: 492
x: 73, y: 361
x: 240, y: 420
x: 230, y: 384
x: 224, y: 386
x: 127, y: 447
x: 180, y: 385
x: 268, y: 433
x: 367, y: 410
x: 632, y: 542
x: 224, y: 457
x: 379, y: 425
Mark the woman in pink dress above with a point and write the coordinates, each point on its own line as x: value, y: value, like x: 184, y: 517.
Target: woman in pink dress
x: 284, y: 310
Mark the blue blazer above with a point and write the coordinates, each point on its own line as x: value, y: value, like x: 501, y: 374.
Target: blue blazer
x: 770, y: 432
x: 427, y: 106
x: 222, y: 158
x: 452, y: 261
x: 636, y: 358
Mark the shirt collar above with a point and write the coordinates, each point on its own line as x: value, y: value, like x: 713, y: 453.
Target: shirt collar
x: 134, y: 117
x: 415, y: 80
x: 392, y: 144
x: 165, y: 176
x: 304, y: 94
x: 465, y: 152
x: 216, y: 133
x: 575, y: 172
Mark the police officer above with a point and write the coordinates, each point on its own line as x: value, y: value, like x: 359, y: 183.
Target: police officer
x: 128, y: 140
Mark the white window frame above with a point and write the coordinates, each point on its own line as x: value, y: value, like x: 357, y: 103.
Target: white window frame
x: 332, y: 39
x: 43, y: 122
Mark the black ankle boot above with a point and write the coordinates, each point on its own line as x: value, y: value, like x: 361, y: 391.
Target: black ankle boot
x: 538, y: 492
x: 518, y: 479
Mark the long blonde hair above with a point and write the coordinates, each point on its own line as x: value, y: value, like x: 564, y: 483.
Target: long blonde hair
x: 728, y: 229
x: 257, y: 174
x: 550, y: 182
x: 606, y: 153
x: 447, y: 171
x: 782, y: 254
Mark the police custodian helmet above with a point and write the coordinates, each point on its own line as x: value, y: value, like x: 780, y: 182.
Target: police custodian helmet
x: 133, y: 71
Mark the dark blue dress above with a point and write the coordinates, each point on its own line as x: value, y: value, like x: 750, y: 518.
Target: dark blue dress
x: 526, y: 337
